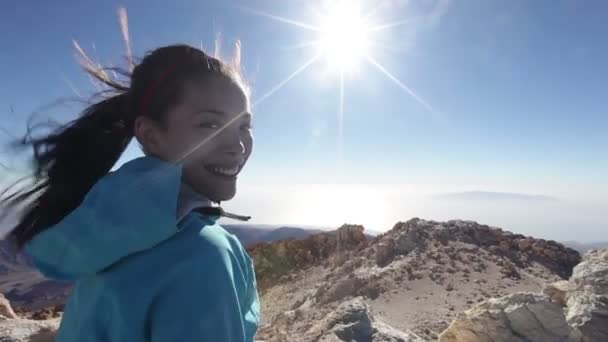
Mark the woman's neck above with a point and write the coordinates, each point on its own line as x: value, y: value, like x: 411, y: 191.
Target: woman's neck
x: 189, y: 199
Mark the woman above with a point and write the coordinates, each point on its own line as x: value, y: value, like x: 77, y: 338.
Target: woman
x: 141, y: 243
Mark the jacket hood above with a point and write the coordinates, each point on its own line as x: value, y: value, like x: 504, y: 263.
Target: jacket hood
x: 127, y: 211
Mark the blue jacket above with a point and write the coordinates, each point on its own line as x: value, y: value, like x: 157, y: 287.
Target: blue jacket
x: 141, y: 276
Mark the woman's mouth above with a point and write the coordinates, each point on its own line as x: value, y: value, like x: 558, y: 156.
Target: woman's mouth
x: 223, y: 171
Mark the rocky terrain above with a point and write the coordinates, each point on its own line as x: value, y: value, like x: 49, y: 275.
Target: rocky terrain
x: 420, y: 281
x: 25, y: 287
x: 572, y: 310
x: 415, y: 277
x: 14, y: 328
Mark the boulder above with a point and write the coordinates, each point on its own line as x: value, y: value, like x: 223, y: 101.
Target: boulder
x: 25, y: 330
x: 587, y: 297
x: 6, y: 309
x: 516, y: 317
x: 558, y: 291
x: 572, y: 310
x: 385, y: 253
x: 353, y: 321
x: 588, y: 313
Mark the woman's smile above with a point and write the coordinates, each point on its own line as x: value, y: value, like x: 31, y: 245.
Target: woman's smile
x: 225, y: 171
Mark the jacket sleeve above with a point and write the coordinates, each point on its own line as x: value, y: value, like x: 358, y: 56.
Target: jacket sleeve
x: 201, y: 303
x: 252, y: 309
x: 128, y: 210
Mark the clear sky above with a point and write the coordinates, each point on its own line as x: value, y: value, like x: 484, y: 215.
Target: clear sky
x: 510, y: 103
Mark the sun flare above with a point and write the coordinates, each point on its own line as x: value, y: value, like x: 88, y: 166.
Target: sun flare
x: 343, y: 36
x: 347, y: 34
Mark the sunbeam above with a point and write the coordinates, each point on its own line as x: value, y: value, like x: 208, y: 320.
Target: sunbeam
x: 303, y: 45
x: 390, y: 25
x: 283, y: 82
x: 400, y: 84
x: 281, y: 19
x: 346, y: 36
x: 208, y: 138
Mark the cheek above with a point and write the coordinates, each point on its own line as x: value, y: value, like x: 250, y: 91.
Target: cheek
x: 197, y: 145
x: 248, y: 143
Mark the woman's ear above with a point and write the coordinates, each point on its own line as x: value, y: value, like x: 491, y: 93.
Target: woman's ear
x: 148, y: 135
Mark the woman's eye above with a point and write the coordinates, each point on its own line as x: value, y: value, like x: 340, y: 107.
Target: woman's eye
x: 211, y: 125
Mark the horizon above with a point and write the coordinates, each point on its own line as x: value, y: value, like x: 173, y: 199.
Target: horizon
x: 487, y: 111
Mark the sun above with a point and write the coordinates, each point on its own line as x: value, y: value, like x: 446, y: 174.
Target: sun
x: 347, y: 34
x: 343, y: 36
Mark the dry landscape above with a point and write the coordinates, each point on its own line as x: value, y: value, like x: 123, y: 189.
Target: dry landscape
x: 420, y: 281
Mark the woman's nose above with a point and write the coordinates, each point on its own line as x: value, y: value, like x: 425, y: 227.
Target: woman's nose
x: 236, y: 149
x: 232, y: 143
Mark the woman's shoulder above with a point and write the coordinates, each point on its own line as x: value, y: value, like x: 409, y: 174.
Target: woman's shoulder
x: 203, y: 255
x: 199, y: 242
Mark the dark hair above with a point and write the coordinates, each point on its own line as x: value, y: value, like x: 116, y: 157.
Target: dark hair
x: 72, y: 158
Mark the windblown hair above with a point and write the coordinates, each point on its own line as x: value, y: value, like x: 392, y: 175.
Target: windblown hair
x: 68, y: 161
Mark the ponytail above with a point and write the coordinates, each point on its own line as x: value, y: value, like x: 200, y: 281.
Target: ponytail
x: 67, y: 163
x: 70, y: 160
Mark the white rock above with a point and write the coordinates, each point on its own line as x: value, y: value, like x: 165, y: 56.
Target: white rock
x: 516, y: 317
x: 24, y: 330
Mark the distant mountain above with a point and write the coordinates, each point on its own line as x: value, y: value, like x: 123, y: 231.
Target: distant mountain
x: 494, y: 196
x: 584, y: 247
x: 250, y: 234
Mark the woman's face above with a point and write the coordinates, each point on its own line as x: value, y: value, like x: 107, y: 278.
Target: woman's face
x: 210, y: 132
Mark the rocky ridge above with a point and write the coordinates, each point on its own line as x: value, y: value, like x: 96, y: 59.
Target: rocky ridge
x: 575, y: 310
x: 415, y: 277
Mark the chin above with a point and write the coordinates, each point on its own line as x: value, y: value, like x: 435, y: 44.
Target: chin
x: 222, y: 195
x: 223, y: 198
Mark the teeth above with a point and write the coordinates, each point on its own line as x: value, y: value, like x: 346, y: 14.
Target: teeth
x: 226, y: 172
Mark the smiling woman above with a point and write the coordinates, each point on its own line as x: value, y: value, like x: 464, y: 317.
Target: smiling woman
x: 142, y: 242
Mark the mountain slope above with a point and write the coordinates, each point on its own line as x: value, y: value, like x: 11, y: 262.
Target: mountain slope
x: 414, y: 277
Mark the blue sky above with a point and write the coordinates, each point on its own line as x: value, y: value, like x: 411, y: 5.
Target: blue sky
x: 518, y: 91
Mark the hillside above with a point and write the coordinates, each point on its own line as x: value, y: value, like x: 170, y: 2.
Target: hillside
x: 415, y: 277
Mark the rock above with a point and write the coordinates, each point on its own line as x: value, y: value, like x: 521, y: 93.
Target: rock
x: 516, y: 317
x: 523, y: 244
x: 592, y: 272
x: 410, y: 239
x: 385, y: 253
x: 587, y: 297
x: 276, y: 260
x: 386, y: 333
x: 24, y: 330
x: 572, y: 310
x: 348, y: 287
x: 509, y: 270
x: 353, y: 321
x: 6, y: 309
x: 558, y: 291
x: 588, y: 313
x: 405, y: 238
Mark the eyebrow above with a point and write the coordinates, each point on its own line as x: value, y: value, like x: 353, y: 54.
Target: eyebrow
x: 218, y: 112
